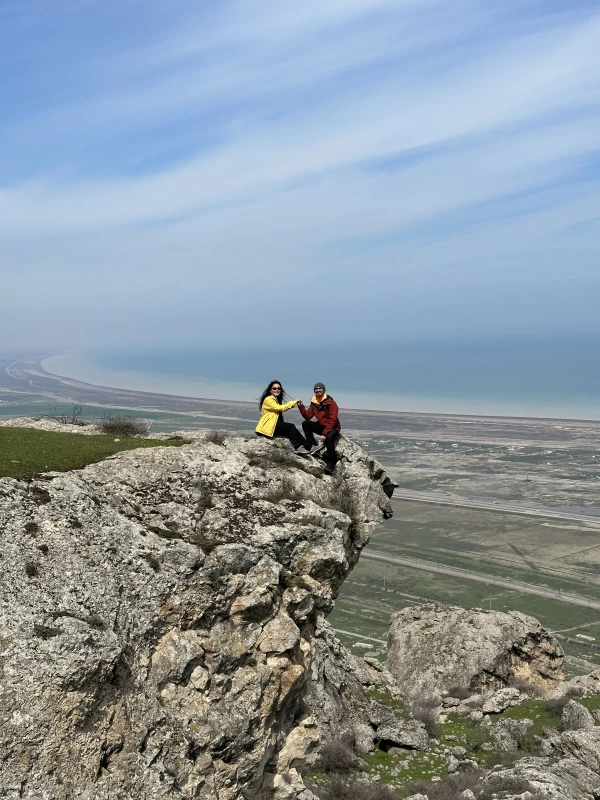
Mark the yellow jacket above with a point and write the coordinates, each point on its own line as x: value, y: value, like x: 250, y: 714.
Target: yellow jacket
x: 269, y: 413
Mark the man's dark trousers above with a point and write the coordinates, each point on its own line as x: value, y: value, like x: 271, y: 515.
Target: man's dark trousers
x: 310, y: 428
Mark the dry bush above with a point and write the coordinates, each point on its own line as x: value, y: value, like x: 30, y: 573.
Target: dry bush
x: 216, y: 437
x: 450, y: 788
x: 340, y: 789
x: 123, y: 425
x: 337, y: 756
x: 555, y: 707
x: 460, y: 692
x: 425, y: 709
x: 31, y: 569
x: 507, y: 784
x: 72, y: 418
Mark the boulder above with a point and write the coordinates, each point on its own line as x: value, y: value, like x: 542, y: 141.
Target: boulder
x: 501, y: 700
x: 576, y: 717
x: 433, y: 647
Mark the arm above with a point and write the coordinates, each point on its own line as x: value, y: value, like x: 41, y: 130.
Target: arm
x: 270, y: 404
x: 332, y: 417
x: 307, y: 413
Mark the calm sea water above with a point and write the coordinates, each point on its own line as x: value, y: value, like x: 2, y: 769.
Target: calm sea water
x: 527, y: 375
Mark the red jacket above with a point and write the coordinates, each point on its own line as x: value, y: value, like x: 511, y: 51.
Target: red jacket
x: 326, y: 413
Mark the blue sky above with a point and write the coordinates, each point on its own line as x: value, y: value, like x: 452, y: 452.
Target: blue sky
x: 176, y: 171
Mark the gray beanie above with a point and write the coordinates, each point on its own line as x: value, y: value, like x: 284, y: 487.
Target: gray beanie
x: 319, y: 385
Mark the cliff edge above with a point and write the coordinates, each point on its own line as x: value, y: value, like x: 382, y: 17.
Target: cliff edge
x: 158, y: 611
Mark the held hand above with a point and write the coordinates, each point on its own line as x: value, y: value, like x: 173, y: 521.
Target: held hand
x: 298, y: 402
x: 323, y: 438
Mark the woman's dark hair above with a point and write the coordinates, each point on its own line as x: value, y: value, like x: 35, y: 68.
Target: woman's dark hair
x: 267, y: 392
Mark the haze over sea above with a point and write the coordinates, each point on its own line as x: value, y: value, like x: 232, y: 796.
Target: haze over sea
x: 538, y: 375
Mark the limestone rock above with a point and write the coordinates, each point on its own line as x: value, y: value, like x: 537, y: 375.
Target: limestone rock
x: 576, y: 717
x: 584, y: 746
x: 433, y: 647
x: 157, y: 622
x: 501, y: 700
x: 507, y: 733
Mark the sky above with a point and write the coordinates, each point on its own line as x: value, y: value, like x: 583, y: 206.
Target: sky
x: 220, y: 173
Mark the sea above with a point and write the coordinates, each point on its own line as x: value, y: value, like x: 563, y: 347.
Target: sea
x: 553, y: 375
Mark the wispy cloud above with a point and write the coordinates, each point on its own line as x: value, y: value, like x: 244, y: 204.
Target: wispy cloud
x: 214, y: 146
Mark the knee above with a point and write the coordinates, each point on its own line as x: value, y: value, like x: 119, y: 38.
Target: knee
x: 305, y: 424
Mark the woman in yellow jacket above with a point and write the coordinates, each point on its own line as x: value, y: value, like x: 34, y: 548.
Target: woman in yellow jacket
x: 271, y: 422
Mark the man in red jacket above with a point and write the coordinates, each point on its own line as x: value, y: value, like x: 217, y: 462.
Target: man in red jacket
x: 325, y: 409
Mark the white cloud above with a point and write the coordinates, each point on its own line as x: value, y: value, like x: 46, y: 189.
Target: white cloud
x: 326, y: 123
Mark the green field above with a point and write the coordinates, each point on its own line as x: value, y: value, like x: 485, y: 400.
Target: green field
x: 373, y: 591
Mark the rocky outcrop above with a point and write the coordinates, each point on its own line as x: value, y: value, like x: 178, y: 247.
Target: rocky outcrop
x: 158, y: 614
x: 576, y: 717
x: 347, y: 699
x: 433, y: 648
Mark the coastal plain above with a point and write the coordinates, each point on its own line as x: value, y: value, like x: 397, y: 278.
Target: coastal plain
x: 490, y: 512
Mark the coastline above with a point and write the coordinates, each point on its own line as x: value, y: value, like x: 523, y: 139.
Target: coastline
x: 74, y: 368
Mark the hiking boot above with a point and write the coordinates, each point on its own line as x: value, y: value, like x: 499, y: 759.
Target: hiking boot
x: 301, y: 451
x: 316, y: 448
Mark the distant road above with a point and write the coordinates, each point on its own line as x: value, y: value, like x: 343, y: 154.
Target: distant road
x: 480, y: 577
x: 507, y: 508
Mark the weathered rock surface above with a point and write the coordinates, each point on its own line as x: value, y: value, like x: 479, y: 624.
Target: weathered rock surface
x: 576, y: 717
x: 158, y: 613
x: 501, y: 700
x: 432, y: 648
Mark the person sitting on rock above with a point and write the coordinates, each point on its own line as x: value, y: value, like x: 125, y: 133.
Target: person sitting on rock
x: 271, y: 422
x: 327, y: 424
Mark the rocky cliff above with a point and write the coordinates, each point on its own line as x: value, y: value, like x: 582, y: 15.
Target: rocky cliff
x: 158, y: 613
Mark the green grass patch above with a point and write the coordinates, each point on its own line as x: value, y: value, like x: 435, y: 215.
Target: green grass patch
x: 398, y: 771
x: 468, y: 734
x: 591, y: 703
x: 25, y: 452
x: 387, y: 700
x: 542, y: 713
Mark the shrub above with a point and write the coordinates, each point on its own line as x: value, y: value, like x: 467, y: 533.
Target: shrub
x: 340, y: 789
x: 206, y: 500
x: 123, y: 425
x: 31, y: 569
x: 337, y: 756
x: 216, y: 437
x: 152, y: 561
x: 555, y: 707
x: 450, y: 788
x: 460, y: 692
x: 40, y: 496
x: 507, y: 784
x: 31, y: 527
x: 96, y: 621
x: 72, y: 418
x: 44, y: 549
x: 425, y: 709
